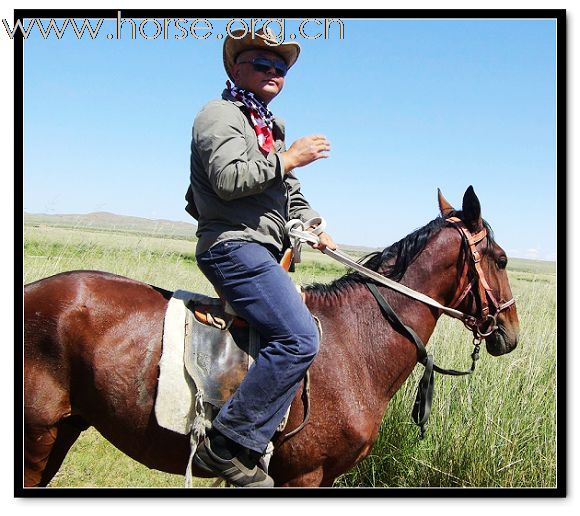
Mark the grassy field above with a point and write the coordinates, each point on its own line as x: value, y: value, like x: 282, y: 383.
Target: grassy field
x: 496, y: 428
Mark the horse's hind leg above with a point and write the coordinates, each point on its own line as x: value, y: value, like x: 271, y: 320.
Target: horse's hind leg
x: 46, y: 408
x: 38, y: 443
x: 67, y: 433
x: 45, y: 449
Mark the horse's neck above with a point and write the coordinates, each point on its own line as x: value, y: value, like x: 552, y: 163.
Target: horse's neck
x: 370, y: 350
x: 395, y: 352
x: 393, y: 355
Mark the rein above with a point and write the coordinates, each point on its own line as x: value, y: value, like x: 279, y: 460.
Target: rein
x: 481, y: 326
x: 424, y: 398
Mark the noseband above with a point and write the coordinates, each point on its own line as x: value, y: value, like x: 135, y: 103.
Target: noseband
x: 486, y: 323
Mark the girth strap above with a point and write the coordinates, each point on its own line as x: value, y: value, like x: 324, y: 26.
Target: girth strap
x: 306, y: 401
x: 424, y: 398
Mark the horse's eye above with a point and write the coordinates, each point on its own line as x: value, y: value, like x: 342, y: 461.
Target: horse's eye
x: 502, y: 262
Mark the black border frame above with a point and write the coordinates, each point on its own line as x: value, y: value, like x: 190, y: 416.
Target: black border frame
x: 561, y: 150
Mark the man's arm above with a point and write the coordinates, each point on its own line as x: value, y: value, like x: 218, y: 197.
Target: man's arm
x: 221, y: 144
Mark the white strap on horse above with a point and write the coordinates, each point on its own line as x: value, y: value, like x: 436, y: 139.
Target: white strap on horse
x: 298, y: 232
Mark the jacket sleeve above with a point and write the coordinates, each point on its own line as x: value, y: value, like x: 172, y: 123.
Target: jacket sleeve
x: 299, y: 207
x: 218, y: 133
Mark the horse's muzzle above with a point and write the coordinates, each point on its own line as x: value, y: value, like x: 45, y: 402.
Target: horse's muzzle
x: 501, y: 341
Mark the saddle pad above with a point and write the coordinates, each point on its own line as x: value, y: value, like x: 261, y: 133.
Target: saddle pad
x: 174, y: 404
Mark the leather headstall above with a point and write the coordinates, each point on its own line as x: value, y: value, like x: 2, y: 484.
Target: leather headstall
x: 484, y: 324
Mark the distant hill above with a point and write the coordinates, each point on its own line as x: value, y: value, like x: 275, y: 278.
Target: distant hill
x: 110, y: 222
x: 104, y: 221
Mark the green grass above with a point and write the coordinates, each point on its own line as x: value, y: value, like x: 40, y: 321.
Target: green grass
x: 496, y: 428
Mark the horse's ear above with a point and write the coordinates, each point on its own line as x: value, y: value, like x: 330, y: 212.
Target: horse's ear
x: 444, y: 207
x: 471, y: 210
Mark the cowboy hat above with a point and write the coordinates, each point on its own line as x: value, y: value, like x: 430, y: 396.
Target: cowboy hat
x: 240, y: 40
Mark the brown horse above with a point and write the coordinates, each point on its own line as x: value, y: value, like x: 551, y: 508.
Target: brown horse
x: 93, y: 343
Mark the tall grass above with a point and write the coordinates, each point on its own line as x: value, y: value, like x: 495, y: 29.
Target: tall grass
x: 495, y: 428
x: 161, y: 260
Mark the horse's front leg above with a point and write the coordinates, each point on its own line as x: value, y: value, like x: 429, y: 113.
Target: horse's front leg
x: 315, y: 478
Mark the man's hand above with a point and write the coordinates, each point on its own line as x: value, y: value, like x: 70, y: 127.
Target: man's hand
x: 325, y: 241
x: 304, y: 151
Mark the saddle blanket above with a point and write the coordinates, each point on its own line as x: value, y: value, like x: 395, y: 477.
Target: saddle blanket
x: 198, y: 362
x: 174, y: 397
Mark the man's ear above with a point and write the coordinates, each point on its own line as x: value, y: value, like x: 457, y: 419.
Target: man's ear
x: 236, y: 72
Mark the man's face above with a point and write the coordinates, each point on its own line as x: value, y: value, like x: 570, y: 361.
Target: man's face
x: 265, y: 85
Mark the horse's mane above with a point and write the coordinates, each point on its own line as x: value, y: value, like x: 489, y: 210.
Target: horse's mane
x: 394, y: 260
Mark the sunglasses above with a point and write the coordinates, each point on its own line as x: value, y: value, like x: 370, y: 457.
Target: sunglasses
x: 261, y: 64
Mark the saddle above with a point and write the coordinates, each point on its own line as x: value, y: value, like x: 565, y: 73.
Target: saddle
x: 206, y: 353
x: 221, y: 347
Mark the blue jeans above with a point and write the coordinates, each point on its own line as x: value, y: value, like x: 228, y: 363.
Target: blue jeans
x: 249, y: 277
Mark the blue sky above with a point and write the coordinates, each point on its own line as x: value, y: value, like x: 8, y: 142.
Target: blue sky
x: 408, y: 105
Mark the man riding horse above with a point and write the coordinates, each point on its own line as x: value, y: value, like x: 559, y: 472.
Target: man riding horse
x: 243, y: 192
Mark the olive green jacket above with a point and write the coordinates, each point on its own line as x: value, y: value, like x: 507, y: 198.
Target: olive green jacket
x: 238, y: 193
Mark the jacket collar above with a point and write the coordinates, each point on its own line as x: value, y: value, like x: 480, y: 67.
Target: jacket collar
x: 226, y: 95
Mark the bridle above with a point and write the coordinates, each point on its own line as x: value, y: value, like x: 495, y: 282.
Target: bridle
x: 486, y: 323
x: 482, y: 325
